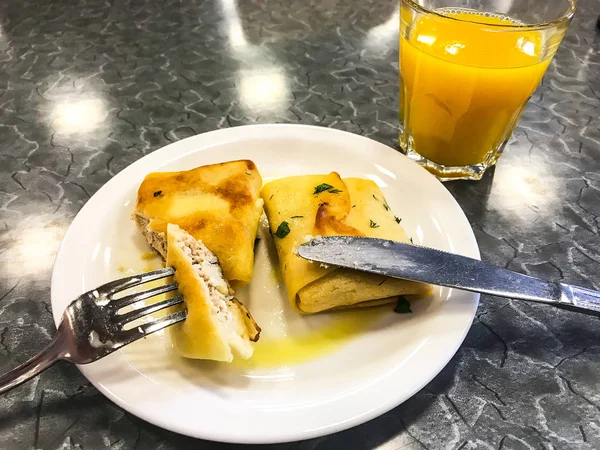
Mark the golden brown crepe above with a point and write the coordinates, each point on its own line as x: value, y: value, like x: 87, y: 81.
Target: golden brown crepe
x: 326, y: 205
x: 217, y: 326
x: 218, y: 204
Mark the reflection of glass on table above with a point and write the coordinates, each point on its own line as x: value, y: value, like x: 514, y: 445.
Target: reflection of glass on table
x: 467, y: 74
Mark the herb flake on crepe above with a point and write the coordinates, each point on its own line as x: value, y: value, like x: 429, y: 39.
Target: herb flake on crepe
x: 282, y: 230
x: 324, y: 187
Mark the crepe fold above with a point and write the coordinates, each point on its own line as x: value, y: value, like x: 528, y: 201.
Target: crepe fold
x: 301, y: 207
x: 218, y: 204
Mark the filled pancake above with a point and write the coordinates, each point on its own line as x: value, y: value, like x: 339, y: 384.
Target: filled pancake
x: 301, y: 207
x: 218, y: 326
x: 218, y: 204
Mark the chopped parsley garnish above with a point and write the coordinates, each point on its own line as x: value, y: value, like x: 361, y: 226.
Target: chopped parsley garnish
x: 386, y: 206
x: 398, y: 220
x: 373, y: 224
x: 282, y: 230
x: 296, y: 217
x: 402, y: 306
x: 157, y: 193
x: 375, y: 197
x: 271, y: 196
x: 324, y: 187
x: 354, y: 206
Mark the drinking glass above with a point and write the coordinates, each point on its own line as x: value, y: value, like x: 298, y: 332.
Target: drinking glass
x: 467, y: 70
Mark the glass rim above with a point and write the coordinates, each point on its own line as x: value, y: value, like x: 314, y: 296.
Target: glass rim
x: 568, y: 15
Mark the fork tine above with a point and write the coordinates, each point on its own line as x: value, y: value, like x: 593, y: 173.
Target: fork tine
x: 153, y: 326
x: 138, y: 296
x: 113, y: 287
x: 144, y: 311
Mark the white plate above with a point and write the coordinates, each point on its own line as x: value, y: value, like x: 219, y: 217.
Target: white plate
x: 356, y: 380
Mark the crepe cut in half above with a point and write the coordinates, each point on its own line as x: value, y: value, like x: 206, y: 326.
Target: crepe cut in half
x: 218, y: 204
x: 301, y: 207
x: 217, y: 326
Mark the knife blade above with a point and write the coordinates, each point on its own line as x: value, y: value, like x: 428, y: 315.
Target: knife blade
x: 428, y: 265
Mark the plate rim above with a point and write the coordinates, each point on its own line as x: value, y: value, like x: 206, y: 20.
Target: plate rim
x: 375, y: 412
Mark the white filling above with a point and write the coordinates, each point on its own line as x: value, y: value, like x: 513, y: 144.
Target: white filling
x: 207, y: 267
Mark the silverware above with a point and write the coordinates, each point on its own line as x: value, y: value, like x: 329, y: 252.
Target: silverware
x: 428, y: 265
x: 92, y: 326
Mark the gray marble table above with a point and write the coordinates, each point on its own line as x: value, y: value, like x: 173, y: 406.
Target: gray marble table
x: 89, y: 86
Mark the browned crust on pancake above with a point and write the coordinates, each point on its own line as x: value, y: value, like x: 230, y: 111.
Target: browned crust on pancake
x: 233, y: 189
x: 328, y: 223
x: 251, y: 325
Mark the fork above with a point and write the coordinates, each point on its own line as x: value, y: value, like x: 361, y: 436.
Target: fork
x: 92, y: 326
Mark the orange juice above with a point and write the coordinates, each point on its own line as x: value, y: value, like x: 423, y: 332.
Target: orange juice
x: 466, y: 83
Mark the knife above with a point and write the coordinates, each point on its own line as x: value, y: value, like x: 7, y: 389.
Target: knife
x: 428, y: 265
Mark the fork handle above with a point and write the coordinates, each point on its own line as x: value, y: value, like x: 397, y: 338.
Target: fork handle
x: 29, y: 369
